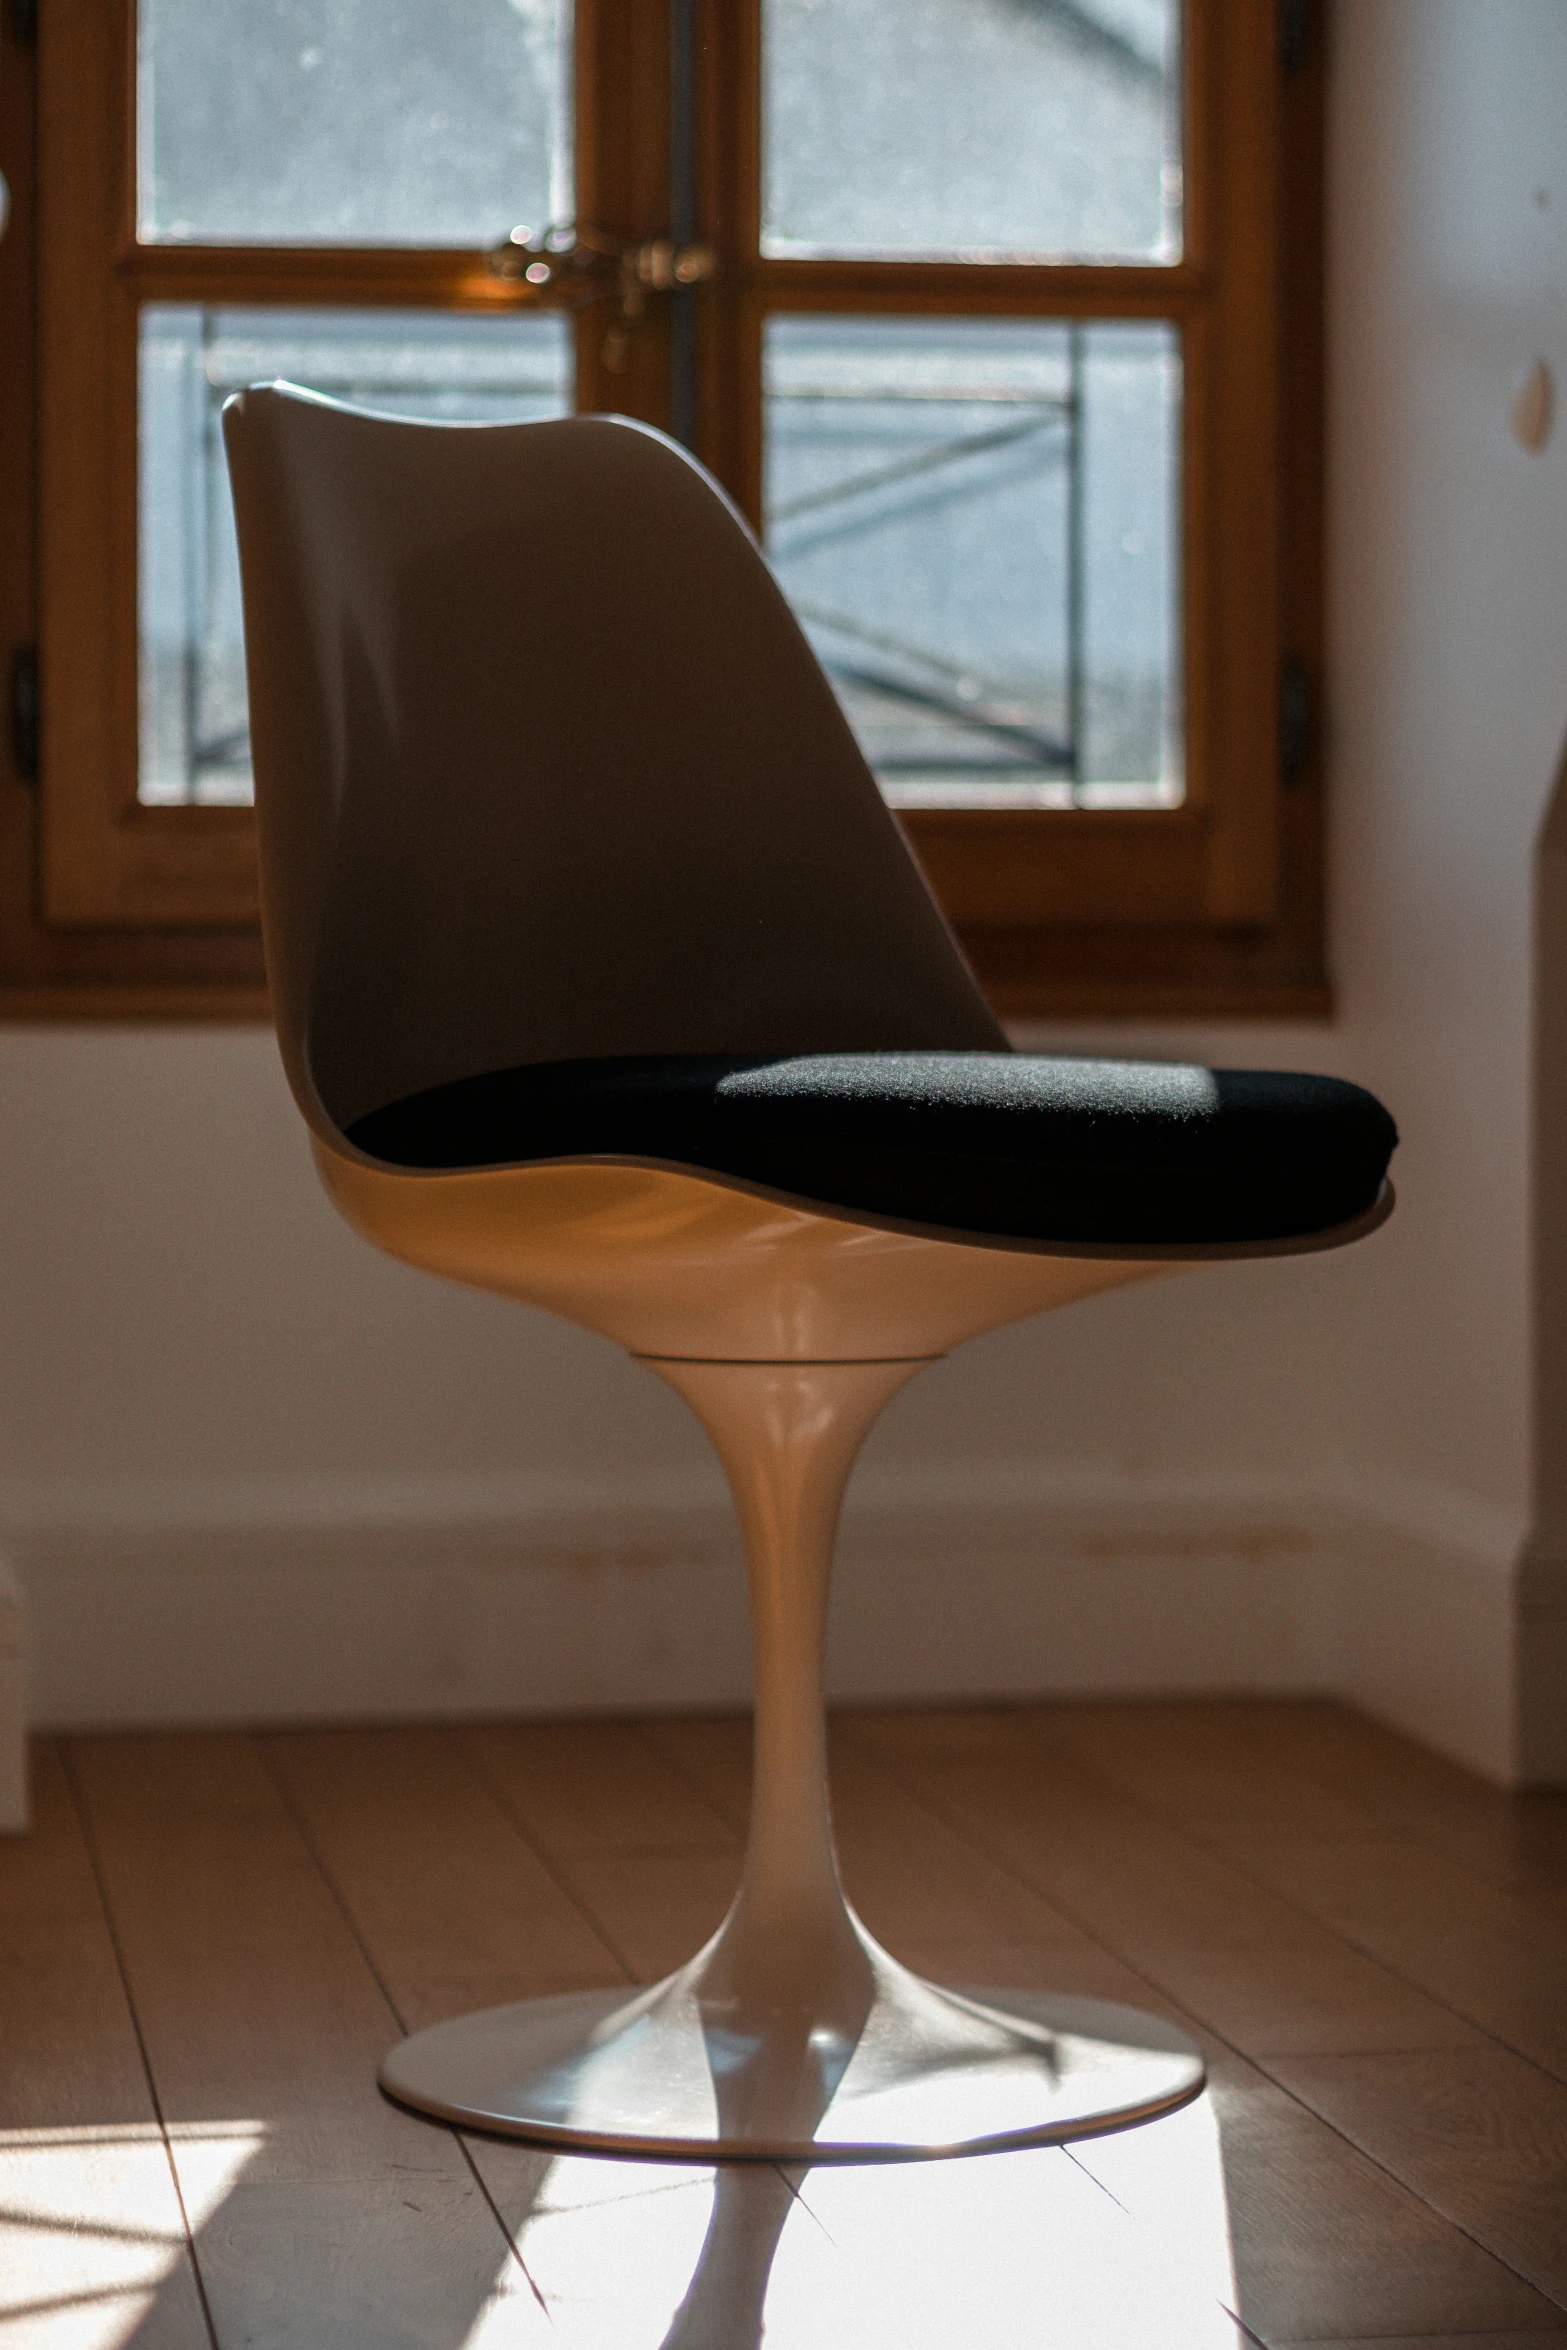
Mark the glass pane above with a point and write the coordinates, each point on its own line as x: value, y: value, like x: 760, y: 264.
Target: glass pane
x: 973, y: 128
x: 194, y: 741
x: 359, y: 122
x: 978, y: 521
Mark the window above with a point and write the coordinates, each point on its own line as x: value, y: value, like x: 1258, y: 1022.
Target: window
x: 1002, y: 326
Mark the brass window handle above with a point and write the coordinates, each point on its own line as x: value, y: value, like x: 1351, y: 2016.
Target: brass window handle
x: 568, y: 266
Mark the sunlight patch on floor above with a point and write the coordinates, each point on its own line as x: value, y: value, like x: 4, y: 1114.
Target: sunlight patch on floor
x: 1119, y: 2244
x: 1017, y: 2248
x: 1169, y: 2178
x: 91, y: 2227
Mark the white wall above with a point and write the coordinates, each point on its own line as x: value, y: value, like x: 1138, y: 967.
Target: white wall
x: 248, y: 1467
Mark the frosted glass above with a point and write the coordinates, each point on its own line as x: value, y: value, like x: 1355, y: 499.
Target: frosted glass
x: 360, y: 122
x: 195, y: 745
x: 972, y: 128
x: 978, y: 522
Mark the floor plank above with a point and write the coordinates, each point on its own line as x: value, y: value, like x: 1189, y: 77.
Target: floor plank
x: 595, y: 1787
x: 646, y: 1857
x: 1311, y: 1996
x: 1103, y: 1859
x: 93, y: 2241
x: 1213, y: 1767
x: 1324, y: 2240
x: 458, y: 1909
x: 712, y: 1752
x: 654, y: 1909
x: 1374, y: 2161
x: 1455, y: 1887
x: 350, y: 2222
x: 1515, y: 1842
x: 1477, y: 2132
x: 1269, y: 1978
x: 1486, y: 1953
x: 906, y: 1869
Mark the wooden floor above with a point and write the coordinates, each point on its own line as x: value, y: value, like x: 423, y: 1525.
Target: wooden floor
x: 209, y: 1941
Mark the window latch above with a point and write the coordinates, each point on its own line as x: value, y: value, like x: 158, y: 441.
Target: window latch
x: 567, y: 266
x: 1294, y: 33
x: 24, y: 711
x: 1295, y: 718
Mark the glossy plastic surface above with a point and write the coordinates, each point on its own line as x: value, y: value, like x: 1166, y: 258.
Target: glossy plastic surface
x: 793, y: 2034
x: 673, y: 1263
x: 545, y: 767
x: 669, y: 2074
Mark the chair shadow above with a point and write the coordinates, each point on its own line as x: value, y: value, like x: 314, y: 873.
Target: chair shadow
x: 725, y: 2302
x: 1127, y: 2235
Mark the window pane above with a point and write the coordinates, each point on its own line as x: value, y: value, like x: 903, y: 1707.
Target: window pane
x: 359, y: 122
x: 974, y: 128
x: 978, y: 522
x: 194, y: 739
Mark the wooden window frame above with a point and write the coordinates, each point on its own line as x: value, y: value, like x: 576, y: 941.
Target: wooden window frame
x: 1212, y: 909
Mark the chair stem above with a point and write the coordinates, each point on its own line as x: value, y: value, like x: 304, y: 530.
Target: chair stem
x: 787, y: 1434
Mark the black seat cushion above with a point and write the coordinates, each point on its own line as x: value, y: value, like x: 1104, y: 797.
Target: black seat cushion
x: 1007, y: 1145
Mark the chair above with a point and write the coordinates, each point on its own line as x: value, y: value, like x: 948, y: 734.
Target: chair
x: 604, y: 980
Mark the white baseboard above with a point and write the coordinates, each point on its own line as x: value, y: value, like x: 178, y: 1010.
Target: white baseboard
x: 419, y: 1599
x: 1417, y: 1602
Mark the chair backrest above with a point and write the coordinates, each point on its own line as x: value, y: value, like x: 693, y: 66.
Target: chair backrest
x: 545, y: 768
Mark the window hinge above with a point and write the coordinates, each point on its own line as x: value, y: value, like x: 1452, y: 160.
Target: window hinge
x: 1295, y: 718
x: 24, y: 711
x: 24, y: 21
x: 1293, y: 32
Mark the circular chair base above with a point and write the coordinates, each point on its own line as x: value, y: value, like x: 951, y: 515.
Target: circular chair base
x: 932, y: 2073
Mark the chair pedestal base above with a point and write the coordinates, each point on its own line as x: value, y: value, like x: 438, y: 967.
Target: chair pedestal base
x: 666, y: 2074
x: 793, y: 2036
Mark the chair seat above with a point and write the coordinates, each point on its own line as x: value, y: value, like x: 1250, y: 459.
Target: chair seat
x: 1010, y: 1146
